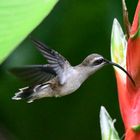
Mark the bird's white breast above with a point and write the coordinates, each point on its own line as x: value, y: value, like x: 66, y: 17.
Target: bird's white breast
x: 72, y: 82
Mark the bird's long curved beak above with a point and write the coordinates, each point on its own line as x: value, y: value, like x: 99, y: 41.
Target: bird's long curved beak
x: 114, y: 64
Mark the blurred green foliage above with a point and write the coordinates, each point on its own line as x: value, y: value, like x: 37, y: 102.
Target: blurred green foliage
x: 75, y: 29
x: 18, y: 19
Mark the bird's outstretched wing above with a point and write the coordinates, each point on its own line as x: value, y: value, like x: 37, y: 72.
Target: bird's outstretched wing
x: 56, y: 61
x: 34, y: 74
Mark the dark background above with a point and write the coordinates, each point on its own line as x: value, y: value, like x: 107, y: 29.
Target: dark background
x: 75, y: 28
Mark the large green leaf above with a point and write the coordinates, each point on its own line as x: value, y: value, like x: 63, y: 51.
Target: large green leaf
x: 17, y: 19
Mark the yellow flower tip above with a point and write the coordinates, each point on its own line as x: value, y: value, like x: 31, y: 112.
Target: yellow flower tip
x: 118, y: 46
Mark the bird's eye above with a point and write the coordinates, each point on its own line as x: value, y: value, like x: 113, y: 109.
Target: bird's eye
x: 98, y: 62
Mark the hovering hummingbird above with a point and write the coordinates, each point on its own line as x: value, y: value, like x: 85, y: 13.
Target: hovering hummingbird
x: 57, y: 78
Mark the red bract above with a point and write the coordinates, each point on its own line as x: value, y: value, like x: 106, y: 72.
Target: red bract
x: 133, y: 67
x: 129, y: 94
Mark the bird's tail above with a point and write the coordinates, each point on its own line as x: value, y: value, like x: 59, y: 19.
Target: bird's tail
x: 34, y: 92
x: 24, y: 93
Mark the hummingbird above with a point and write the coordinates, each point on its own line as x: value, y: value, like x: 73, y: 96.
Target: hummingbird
x: 57, y: 78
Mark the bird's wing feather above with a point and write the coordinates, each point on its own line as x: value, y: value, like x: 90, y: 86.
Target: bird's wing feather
x: 56, y: 61
x: 34, y: 74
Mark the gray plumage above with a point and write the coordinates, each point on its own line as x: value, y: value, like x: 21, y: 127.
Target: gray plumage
x: 57, y: 78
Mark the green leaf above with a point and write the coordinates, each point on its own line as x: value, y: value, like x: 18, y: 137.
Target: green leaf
x: 136, y: 128
x: 107, y: 126
x: 17, y: 19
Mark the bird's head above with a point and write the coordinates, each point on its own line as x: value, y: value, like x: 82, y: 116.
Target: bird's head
x: 95, y: 61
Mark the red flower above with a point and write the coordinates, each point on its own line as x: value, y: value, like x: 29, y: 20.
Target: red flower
x: 128, y: 56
